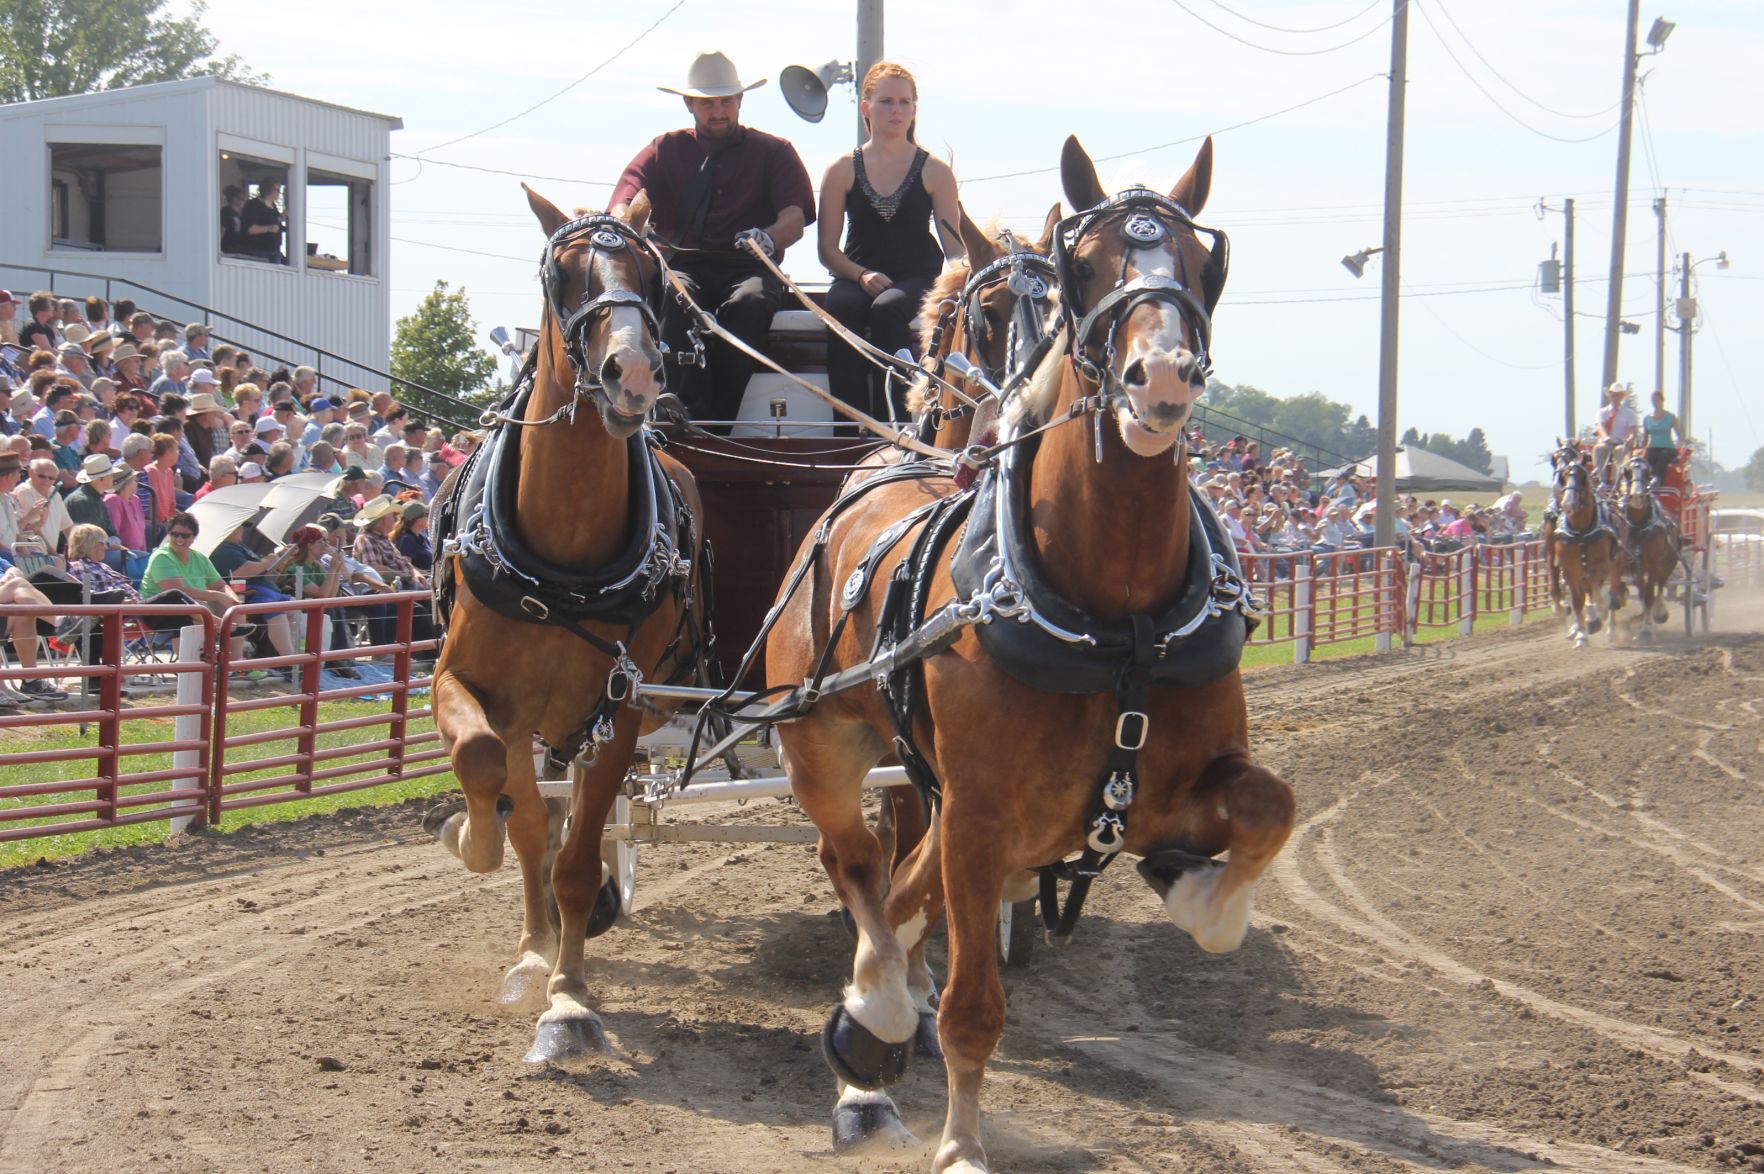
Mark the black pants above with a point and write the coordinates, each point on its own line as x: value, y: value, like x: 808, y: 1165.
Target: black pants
x: 1659, y: 461
x: 887, y: 320
x: 743, y: 297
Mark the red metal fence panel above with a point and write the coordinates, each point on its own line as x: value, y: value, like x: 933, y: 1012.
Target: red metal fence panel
x: 312, y: 754
x: 36, y: 799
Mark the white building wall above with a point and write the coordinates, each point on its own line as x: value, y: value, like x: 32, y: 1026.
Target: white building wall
x: 348, y: 315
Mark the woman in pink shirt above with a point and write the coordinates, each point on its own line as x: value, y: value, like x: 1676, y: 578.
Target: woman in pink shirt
x: 127, y: 518
x: 162, y: 476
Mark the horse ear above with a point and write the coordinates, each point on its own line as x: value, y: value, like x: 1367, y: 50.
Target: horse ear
x: 981, y: 249
x: 1078, y: 175
x: 1050, y: 226
x: 1191, y: 190
x: 637, y: 212
x: 551, y: 218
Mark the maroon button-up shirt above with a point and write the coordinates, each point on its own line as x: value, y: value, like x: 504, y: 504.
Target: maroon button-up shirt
x: 758, y: 176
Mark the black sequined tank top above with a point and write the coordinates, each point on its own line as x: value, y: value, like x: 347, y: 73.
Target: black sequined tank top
x: 892, y: 233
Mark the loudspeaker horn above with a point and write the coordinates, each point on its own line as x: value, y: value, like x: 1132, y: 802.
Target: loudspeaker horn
x: 806, y: 89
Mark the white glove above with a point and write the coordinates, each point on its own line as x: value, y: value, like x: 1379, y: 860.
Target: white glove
x: 761, y: 239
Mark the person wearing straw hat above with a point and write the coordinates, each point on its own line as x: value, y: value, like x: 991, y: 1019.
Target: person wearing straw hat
x: 85, y: 505
x: 1617, y: 425
x: 710, y: 187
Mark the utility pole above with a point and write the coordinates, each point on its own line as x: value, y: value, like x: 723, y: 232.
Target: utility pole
x: 1620, y: 212
x: 1687, y: 314
x: 869, y: 48
x: 1384, y: 522
x: 1660, y: 276
x: 1568, y: 319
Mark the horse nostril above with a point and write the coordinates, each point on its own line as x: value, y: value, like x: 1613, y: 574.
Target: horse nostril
x: 609, y: 370
x: 1134, y: 375
x: 1187, y: 368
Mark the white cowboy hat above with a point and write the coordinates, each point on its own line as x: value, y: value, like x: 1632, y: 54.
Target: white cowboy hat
x: 93, y: 467
x: 712, y: 76
x: 376, y: 509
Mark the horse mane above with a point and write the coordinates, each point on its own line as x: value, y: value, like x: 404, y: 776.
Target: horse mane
x: 1033, y: 406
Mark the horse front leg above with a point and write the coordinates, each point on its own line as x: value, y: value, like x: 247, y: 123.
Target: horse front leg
x: 480, y: 762
x: 569, y: 1027
x: 970, y: 1018
x: 1209, y: 899
x: 868, y: 1037
x: 530, y: 829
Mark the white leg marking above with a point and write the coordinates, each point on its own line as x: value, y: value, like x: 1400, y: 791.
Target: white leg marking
x: 1189, y: 905
x: 911, y: 930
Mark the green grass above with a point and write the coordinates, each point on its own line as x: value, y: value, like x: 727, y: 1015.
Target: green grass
x: 58, y: 845
x: 1264, y: 655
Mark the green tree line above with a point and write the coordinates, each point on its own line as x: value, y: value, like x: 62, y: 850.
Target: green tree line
x: 1316, y: 419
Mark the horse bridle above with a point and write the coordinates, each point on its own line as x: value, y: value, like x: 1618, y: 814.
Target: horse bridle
x: 1148, y: 222
x: 606, y: 235
x: 1031, y: 279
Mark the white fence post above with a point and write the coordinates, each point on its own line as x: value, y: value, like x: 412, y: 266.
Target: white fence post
x: 1519, y: 567
x: 1467, y: 593
x: 1301, y: 610
x: 188, y: 727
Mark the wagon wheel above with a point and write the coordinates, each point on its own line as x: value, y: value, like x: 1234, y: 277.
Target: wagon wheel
x: 1019, y: 924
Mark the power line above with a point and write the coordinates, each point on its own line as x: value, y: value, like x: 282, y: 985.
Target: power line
x: 1322, y: 28
x: 1471, y: 45
x: 1497, y: 360
x: 1190, y: 138
x: 1495, y: 102
x: 546, y: 101
x: 599, y: 183
x: 1282, y: 52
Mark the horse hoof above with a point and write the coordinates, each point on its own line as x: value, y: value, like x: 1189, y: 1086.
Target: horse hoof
x: 1645, y: 636
x: 1660, y: 614
x: 1593, y: 625
x: 868, y: 1121
x: 925, y: 1045
x: 435, y: 818
x: 858, y: 1056
x: 567, y: 1035
x: 1163, y: 869
x: 525, y: 980
x: 608, y: 906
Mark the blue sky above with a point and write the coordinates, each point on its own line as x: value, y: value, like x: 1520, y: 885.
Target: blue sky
x: 1003, y: 83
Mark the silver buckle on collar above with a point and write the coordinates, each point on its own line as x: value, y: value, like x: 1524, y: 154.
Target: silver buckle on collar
x: 1131, y: 729
x: 536, y: 608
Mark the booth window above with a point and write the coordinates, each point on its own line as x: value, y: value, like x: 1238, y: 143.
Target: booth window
x: 241, y: 179
x: 339, y: 222
x: 106, y: 198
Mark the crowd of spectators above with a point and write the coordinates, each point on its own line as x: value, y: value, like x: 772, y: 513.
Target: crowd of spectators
x: 113, y: 422
x: 1271, y: 506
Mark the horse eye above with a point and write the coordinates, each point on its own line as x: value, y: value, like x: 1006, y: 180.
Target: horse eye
x: 1085, y: 270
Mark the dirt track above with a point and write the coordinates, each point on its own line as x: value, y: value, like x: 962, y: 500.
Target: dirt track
x: 1521, y: 924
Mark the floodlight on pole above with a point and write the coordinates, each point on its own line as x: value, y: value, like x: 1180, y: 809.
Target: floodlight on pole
x: 1657, y: 34
x: 1355, y: 263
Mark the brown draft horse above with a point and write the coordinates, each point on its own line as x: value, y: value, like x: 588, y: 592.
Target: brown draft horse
x: 1019, y: 766
x: 990, y: 307
x: 1581, y: 549
x: 1650, y: 542
x: 501, y: 680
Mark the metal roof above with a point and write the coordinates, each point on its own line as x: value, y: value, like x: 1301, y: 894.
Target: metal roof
x: 98, y: 98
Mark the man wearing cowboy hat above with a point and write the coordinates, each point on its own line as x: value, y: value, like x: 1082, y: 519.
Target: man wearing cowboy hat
x: 1617, y: 426
x: 710, y: 187
x: 85, y: 505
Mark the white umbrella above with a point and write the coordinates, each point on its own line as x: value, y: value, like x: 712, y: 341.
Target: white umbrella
x: 294, y: 501
x: 221, y: 512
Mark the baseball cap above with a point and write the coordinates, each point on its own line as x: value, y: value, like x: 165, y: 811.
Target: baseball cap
x: 267, y: 424
x: 7, y: 298
x: 205, y: 377
x: 354, y: 473
x: 250, y: 469
x: 321, y: 404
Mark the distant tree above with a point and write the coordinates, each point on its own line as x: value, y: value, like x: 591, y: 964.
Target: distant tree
x: 436, y: 347
x: 1754, y: 472
x: 50, y: 48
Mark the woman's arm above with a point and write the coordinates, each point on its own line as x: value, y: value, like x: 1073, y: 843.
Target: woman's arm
x: 835, y: 186
x: 946, y: 206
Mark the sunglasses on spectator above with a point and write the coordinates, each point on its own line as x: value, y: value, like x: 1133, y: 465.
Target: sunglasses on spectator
x: 181, y: 534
